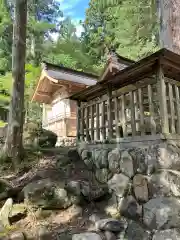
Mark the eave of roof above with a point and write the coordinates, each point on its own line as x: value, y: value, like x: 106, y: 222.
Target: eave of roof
x: 130, y: 74
x: 61, y: 76
x: 47, y: 66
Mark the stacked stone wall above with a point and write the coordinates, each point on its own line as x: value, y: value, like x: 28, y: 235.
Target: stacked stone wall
x: 144, y: 184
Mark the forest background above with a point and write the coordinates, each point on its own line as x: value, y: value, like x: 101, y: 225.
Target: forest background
x: 130, y: 27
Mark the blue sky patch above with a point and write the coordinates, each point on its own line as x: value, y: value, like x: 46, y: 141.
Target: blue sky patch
x: 74, y: 8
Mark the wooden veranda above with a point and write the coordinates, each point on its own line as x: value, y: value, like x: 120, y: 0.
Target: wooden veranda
x: 142, y: 101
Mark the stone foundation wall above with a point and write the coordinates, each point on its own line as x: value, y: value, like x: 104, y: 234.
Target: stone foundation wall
x: 144, y: 184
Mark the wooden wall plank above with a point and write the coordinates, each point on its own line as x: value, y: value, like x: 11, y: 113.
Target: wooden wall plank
x: 109, y: 112
x: 124, y: 127
x: 132, y: 107
x: 92, y: 122
x: 178, y: 109
x: 151, y: 110
x: 141, y: 111
x: 172, y: 112
x: 78, y: 116
x: 103, y: 127
x: 116, y: 104
x: 82, y: 124
x: 97, y: 123
x: 163, y: 101
x: 88, y: 137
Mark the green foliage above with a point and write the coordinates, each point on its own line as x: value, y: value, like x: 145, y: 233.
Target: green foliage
x: 128, y: 26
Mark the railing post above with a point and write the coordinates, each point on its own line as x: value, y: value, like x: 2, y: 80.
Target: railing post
x: 109, y: 112
x: 162, y: 100
x: 78, y: 115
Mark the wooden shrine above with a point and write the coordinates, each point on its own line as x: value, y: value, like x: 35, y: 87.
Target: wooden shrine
x: 142, y: 101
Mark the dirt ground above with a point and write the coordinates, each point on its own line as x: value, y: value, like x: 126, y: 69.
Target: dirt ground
x: 60, y: 224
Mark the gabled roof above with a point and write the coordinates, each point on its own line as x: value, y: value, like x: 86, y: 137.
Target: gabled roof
x: 114, y: 64
x: 55, y: 77
x: 170, y: 62
x: 68, y: 74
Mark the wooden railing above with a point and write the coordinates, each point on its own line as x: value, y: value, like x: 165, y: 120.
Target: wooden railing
x: 150, y: 108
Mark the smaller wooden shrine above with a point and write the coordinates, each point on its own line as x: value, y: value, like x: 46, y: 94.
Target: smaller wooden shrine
x: 54, y: 87
x: 140, y: 102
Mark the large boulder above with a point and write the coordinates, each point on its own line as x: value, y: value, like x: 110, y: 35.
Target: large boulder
x: 130, y: 208
x: 100, y: 157
x: 168, y: 157
x: 140, y: 187
x: 92, y: 192
x: 169, y: 234
x: 46, y: 194
x: 114, y: 158
x: 140, y: 164
x: 87, y: 158
x: 103, y: 175
x: 5, y: 212
x: 87, y: 236
x: 136, y: 232
x: 126, y: 164
x: 119, y: 184
x: 111, y: 225
x: 165, y: 183
x: 162, y: 213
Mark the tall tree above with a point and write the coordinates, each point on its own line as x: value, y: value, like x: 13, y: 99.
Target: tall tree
x: 42, y: 21
x: 13, y: 146
x: 169, y: 14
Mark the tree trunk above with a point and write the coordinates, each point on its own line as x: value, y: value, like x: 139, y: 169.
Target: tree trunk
x: 169, y: 14
x: 13, y: 146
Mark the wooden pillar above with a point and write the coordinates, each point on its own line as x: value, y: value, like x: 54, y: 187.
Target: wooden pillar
x: 117, y: 118
x: 92, y: 122
x: 172, y: 110
x: 97, y: 122
x: 141, y: 111
x: 103, y: 127
x: 162, y: 100
x: 109, y: 112
x: 178, y: 109
x: 78, y: 115
x: 82, y: 123
x: 151, y: 110
x: 133, y: 122
x: 124, y: 125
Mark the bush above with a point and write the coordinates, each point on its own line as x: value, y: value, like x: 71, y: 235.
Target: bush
x: 39, y: 137
x: 46, y: 138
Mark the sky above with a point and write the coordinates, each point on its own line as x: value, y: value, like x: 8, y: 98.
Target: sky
x: 76, y: 10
